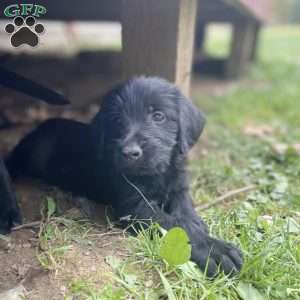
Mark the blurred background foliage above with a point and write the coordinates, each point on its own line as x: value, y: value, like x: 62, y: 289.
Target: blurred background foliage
x: 286, y: 11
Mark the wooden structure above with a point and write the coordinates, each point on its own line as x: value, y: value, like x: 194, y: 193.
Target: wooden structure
x: 158, y: 36
x: 246, y: 26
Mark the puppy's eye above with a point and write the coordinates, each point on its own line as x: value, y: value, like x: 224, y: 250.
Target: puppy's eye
x: 158, y: 117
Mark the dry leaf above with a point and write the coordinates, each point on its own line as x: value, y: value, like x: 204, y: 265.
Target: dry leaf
x: 259, y: 131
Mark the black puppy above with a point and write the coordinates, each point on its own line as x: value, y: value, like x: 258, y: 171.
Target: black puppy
x: 132, y: 156
x: 9, y: 210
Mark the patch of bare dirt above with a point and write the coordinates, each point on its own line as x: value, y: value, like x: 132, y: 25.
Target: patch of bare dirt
x: 83, y: 259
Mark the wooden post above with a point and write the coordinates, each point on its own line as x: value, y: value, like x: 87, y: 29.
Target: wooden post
x: 158, y: 39
x: 255, y: 42
x: 241, y: 48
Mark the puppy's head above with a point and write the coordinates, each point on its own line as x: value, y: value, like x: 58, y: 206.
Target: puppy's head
x: 144, y: 123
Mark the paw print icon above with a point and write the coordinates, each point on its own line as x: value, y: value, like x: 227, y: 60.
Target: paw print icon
x: 24, y: 31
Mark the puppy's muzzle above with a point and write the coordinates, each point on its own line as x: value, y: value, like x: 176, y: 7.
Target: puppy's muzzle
x: 132, y: 152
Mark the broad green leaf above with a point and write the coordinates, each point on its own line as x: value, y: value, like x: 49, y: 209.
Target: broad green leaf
x: 248, y: 292
x: 175, y: 247
x: 51, y: 207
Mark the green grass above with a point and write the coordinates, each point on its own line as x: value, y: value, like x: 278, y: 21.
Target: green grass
x: 264, y: 222
x: 217, y: 40
x: 270, y: 96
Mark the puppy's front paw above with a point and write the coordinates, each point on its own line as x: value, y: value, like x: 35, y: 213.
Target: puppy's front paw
x: 215, y: 255
x: 9, y: 219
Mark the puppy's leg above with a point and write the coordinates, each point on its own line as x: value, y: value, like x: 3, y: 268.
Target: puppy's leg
x: 206, y: 251
x: 209, y: 253
x: 9, y: 210
x: 135, y: 209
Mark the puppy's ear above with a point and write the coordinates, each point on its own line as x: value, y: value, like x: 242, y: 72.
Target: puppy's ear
x: 98, y: 133
x: 191, y: 124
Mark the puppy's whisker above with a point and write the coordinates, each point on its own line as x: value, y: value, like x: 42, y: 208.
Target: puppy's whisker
x: 139, y: 191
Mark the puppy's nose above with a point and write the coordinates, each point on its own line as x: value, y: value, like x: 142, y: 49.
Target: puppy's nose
x: 132, y: 152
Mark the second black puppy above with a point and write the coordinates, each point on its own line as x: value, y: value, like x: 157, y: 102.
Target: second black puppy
x: 9, y: 210
x: 132, y: 156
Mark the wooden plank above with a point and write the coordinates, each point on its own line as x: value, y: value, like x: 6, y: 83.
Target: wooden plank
x: 95, y: 10
x: 224, y: 11
x: 242, y: 8
x: 242, y: 40
x: 221, y: 17
x: 158, y: 38
x: 255, y: 42
x: 92, y: 10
